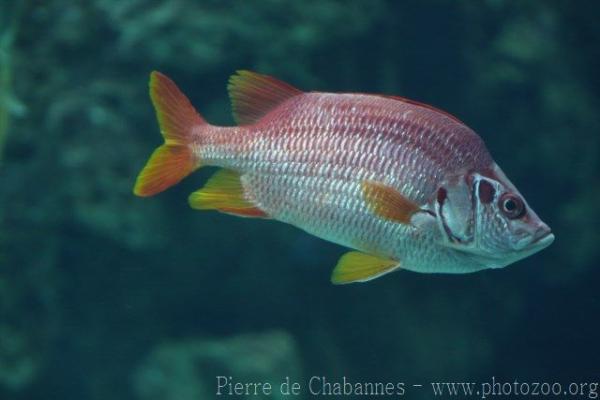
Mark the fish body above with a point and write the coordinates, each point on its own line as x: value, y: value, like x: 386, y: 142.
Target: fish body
x: 403, y: 183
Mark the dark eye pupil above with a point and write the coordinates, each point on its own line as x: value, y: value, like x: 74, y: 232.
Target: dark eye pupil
x: 510, y: 205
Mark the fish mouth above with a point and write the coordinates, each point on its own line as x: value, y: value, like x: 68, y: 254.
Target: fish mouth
x: 535, y: 241
x: 542, y: 238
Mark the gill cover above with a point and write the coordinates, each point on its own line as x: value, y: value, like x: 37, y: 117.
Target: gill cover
x: 454, y: 207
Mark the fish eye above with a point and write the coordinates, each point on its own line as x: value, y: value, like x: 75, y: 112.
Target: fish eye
x: 512, y: 206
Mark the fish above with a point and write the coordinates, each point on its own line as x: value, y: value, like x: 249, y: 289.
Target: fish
x: 403, y: 185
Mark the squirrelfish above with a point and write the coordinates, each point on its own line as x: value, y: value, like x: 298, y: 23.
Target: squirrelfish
x: 403, y: 184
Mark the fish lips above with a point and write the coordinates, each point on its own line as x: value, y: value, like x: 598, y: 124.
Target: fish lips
x: 525, y: 247
x: 541, y: 238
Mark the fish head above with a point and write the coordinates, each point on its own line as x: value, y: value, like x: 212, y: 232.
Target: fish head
x: 483, y: 216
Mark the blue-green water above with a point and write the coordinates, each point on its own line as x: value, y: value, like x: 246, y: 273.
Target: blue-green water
x: 104, y: 295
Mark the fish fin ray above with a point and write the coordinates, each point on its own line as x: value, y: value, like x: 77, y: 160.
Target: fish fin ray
x: 254, y: 95
x: 166, y: 166
x: 419, y: 104
x: 174, y: 160
x: 224, y: 192
x: 388, y: 203
x: 355, y: 266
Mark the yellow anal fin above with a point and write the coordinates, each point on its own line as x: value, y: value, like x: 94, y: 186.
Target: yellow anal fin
x: 359, y: 267
x: 388, y: 203
x: 224, y: 192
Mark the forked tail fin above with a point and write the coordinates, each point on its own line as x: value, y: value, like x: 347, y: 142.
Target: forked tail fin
x: 174, y: 160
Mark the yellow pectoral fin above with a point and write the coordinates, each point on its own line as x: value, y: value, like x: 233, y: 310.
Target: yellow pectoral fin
x: 359, y: 267
x: 224, y: 192
x: 388, y: 203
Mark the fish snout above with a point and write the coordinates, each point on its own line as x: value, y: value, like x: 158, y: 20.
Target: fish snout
x: 542, y: 236
x: 539, y: 237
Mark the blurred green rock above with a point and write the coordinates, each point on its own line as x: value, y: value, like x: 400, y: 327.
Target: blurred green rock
x: 189, y: 370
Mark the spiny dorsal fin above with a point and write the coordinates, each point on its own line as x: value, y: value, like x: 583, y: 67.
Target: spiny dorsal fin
x: 359, y: 267
x: 254, y: 95
x: 419, y: 104
x: 388, y: 203
x: 224, y: 192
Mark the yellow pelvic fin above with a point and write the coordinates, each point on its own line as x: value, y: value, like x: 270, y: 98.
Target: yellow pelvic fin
x: 355, y: 266
x: 388, y: 203
x: 224, y: 192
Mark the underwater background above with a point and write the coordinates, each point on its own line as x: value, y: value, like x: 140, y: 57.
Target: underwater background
x: 104, y: 295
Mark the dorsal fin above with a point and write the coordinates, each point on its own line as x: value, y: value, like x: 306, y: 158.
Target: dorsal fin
x: 418, y: 103
x: 253, y: 95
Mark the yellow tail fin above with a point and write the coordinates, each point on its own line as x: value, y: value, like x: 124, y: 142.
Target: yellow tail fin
x: 174, y: 160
